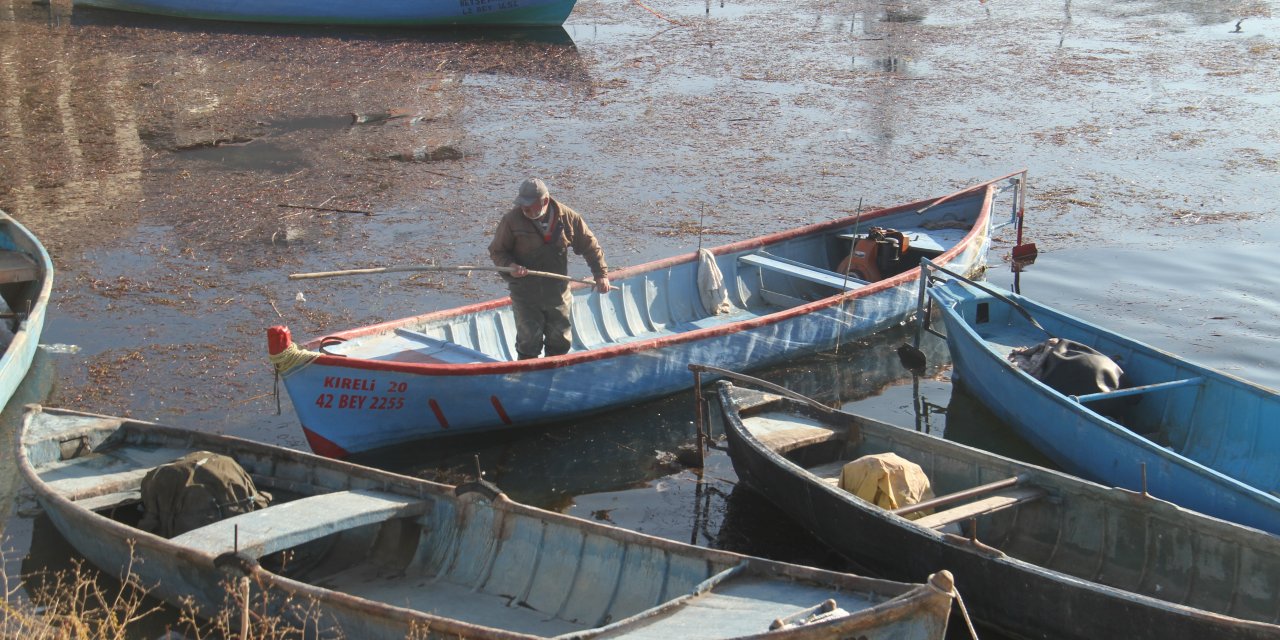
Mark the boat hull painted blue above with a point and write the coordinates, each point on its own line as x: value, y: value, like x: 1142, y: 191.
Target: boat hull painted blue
x: 1222, y: 456
x: 17, y: 357
x: 633, y: 344
x: 443, y: 565
x: 391, y: 13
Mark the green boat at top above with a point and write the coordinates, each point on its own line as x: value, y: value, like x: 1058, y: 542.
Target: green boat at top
x: 380, y: 13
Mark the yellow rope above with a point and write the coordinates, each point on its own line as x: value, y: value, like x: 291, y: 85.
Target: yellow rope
x: 646, y: 8
x: 292, y: 357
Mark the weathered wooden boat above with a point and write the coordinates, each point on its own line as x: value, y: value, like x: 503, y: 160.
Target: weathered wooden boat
x: 381, y: 13
x: 1183, y: 432
x: 1036, y: 553
x: 26, y: 278
x: 456, y: 370
x: 372, y: 554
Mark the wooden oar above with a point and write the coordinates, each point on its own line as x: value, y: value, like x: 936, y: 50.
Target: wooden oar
x: 428, y: 267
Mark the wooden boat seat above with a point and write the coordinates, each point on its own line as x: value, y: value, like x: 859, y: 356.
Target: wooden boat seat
x: 990, y: 504
x: 1133, y: 391
x: 289, y: 524
x: 16, y: 266
x: 443, y: 350
x: 990, y: 497
x: 800, y: 270
x: 107, y: 472
x: 787, y: 432
x: 111, y: 500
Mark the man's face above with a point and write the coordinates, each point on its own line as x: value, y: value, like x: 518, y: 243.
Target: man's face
x: 535, y: 210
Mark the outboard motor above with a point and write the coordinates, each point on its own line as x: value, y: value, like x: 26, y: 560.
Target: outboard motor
x: 876, y: 256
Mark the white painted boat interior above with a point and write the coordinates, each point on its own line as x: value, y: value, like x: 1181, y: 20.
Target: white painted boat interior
x: 663, y: 302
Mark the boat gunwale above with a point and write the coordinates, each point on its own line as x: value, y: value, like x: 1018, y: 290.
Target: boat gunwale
x: 732, y: 415
x: 901, y: 599
x: 26, y: 339
x: 1085, y: 411
x: 987, y: 189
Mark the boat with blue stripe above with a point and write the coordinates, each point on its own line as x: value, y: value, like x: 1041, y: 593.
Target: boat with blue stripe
x: 456, y: 371
x: 335, y: 550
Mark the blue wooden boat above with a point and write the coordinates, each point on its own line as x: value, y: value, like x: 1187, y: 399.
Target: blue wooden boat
x: 1036, y: 553
x: 1185, y: 433
x: 363, y: 553
x: 456, y: 370
x: 26, y: 278
x: 380, y: 13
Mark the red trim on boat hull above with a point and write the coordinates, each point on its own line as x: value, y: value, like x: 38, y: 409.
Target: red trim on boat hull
x: 502, y: 413
x: 570, y: 359
x: 323, y: 446
x: 435, y: 408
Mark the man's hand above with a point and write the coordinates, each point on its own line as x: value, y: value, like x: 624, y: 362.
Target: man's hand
x: 518, y: 271
x: 602, y: 284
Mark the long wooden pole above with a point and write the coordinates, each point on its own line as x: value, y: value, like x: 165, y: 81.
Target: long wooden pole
x: 427, y: 267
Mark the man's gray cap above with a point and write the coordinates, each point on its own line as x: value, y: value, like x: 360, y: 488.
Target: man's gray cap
x: 532, y: 191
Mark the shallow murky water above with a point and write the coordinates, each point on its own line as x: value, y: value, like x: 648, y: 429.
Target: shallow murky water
x: 178, y: 172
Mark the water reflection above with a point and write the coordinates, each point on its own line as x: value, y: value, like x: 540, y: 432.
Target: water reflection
x: 627, y: 449
x: 92, y: 99
x: 72, y: 144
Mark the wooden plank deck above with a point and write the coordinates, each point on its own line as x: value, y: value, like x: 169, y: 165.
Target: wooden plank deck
x: 290, y: 524
x: 788, y: 432
x: 803, y: 271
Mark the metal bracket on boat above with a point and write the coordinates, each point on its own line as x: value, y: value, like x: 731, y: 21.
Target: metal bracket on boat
x: 483, y: 487
x: 764, y: 384
x: 480, y: 485
x: 20, y: 316
x: 911, y: 356
x: 826, y: 610
x: 237, y: 561
x: 327, y: 341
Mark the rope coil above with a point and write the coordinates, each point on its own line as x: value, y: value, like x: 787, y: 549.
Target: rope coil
x: 292, y: 357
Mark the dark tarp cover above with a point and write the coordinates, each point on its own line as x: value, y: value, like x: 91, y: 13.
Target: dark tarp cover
x: 194, y: 490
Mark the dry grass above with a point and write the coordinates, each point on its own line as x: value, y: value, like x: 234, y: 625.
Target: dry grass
x: 71, y: 604
x: 80, y: 604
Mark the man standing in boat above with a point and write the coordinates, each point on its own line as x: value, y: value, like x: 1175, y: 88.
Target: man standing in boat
x: 536, y: 234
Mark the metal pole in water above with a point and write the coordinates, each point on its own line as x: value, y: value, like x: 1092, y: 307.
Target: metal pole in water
x: 697, y: 396
x: 853, y: 246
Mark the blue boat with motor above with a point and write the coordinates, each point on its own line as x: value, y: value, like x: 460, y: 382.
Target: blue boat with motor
x: 784, y: 295
x: 1185, y: 433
